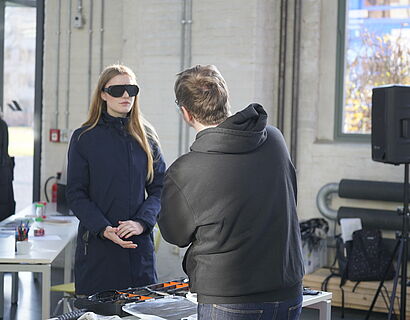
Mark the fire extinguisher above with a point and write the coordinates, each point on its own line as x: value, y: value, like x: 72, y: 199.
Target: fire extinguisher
x: 54, y: 192
x: 54, y: 188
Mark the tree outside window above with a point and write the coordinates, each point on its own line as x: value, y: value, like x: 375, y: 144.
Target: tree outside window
x: 377, y: 53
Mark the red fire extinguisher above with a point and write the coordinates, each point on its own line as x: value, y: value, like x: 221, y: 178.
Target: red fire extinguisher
x: 54, y: 188
x: 54, y: 192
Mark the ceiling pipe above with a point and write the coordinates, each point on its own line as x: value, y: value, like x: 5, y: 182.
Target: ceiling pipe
x: 57, y: 90
x: 102, y: 36
x: 186, y: 56
x: 295, y: 80
x: 67, y: 106
x: 282, y: 65
x: 90, y: 50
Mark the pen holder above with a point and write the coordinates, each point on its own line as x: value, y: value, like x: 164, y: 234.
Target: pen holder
x: 23, y: 247
x: 21, y: 235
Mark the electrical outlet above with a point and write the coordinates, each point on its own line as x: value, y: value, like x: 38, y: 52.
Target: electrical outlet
x: 78, y: 21
x: 65, y: 135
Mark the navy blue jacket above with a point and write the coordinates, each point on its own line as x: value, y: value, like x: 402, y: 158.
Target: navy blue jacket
x: 106, y: 183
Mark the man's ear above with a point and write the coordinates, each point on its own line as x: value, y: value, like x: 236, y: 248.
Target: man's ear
x: 187, y: 116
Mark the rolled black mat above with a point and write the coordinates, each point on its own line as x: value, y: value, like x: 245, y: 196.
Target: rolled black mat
x: 371, y: 190
x: 373, y: 218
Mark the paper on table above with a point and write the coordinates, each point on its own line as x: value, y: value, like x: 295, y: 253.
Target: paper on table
x: 348, y: 226
x: 46, y: 237
x: 57, y: 220
x: 60, y: 218
x: 54, y: 219
x: 6, y: 235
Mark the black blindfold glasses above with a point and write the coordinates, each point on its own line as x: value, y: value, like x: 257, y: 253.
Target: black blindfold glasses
x: 118, y: 90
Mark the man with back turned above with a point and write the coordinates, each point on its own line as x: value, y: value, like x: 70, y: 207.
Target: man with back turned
x: 232, y: 200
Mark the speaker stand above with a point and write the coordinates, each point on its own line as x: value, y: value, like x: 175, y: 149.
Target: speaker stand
x: 400, y: 249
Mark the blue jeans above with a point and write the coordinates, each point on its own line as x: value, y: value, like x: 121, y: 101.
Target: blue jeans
x: 282, y: 310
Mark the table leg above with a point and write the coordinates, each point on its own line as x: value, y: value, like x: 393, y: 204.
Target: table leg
x: 14, y: 287
x: 1, y: 295
x: 67, y: 268
x: 68, y: 254
x: 45, y: 297
x: 325, y: 308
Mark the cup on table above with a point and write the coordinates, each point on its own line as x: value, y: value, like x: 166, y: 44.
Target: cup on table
x: 21, y: 234
x: 23, y: 247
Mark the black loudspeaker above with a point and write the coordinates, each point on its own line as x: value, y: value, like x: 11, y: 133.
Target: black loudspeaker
x: 391, y: 124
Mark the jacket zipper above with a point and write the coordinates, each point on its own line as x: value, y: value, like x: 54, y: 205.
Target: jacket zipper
x: 128, y: 143
x: 86, y: 236
x: 130, y: 159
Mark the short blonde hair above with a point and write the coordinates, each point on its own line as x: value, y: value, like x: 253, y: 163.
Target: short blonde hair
x: 203, y: 92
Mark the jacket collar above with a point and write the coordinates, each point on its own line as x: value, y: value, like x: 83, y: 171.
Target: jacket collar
x: 111, y: 121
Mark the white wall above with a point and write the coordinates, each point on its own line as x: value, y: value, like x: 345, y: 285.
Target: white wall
x: 241, y: 38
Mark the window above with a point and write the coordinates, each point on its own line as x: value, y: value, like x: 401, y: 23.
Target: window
x: 18, y: 100
x: 374, y: 50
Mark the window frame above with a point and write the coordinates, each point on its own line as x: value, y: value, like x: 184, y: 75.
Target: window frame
x: 342, y: 16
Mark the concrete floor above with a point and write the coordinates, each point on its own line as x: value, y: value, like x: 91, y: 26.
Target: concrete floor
x: 29, y: 298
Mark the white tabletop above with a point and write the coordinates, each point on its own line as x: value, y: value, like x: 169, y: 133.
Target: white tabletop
x: 59, y: 230
x: 320, y: 301
x: 312, y: 299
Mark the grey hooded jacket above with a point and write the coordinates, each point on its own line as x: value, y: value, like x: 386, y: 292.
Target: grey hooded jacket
x: 232, y: 199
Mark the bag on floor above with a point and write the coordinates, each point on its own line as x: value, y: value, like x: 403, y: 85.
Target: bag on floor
x: 367, y: 259
x: 362, y: 259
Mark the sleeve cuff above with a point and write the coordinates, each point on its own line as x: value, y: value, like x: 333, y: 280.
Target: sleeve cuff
x: 142, y: 223
x: 100, y: 234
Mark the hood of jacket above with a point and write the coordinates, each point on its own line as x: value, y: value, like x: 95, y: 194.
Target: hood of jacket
x: 241, y: 133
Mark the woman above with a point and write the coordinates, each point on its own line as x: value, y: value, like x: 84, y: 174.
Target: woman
x: 113, y: 160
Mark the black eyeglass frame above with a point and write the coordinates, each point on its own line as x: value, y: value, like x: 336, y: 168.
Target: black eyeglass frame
x: 123, y: 87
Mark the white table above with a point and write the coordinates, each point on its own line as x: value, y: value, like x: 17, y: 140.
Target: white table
x: 58, y: 237
x: 322, y: 302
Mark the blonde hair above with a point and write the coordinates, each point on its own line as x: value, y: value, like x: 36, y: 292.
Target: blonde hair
x: 203, y: 91
x: 138, y: 127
